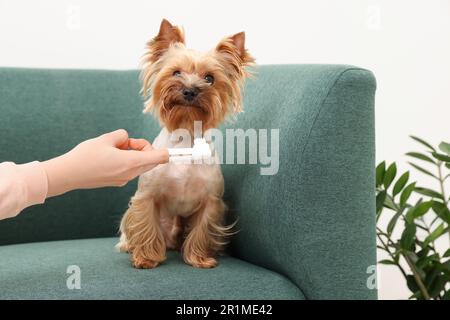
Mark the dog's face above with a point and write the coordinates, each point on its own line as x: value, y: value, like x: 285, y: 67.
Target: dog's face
x: 187, y: 85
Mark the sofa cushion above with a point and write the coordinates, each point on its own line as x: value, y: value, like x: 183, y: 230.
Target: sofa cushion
x: 39, y: 271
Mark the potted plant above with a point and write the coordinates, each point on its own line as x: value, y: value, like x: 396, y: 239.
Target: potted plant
x: 425, y: 268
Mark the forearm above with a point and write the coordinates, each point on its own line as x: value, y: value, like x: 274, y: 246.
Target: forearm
x: 112, y: 159
x: 21, y: 186
x: 60, y: 179
x: 28, y: 184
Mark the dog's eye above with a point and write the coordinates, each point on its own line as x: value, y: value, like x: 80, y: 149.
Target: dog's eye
x: 209, y: 79
x: 177, y: 73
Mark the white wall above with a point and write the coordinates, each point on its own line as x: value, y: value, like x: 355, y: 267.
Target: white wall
x: 406, y: 43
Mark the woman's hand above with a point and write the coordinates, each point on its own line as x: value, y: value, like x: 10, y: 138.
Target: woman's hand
x: 112, y: 159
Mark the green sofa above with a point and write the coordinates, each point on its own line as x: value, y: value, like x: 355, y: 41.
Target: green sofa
x: 307, y: 232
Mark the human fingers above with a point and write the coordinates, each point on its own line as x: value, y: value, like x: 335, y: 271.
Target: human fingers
x: 118, y: 138
x: 139, y: 144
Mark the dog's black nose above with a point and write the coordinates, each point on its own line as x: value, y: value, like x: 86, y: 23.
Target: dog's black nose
x: 190, y: 93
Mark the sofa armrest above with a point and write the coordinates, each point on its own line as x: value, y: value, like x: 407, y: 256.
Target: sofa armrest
x: 314, y: 221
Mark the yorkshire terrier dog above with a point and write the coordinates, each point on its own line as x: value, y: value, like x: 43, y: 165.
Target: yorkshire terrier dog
x: 180, y: 206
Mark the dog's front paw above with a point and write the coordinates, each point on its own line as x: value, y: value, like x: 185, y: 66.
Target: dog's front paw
x: 204, y: 263
x: 145, y: 264
x: 122, y: 247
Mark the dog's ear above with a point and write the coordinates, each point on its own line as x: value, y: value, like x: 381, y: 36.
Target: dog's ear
x: 167, y: 35
x: 232, y: 49
x: 239, y: 42
x: 156, y: 47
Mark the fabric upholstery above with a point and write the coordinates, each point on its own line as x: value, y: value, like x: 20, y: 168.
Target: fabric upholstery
x: 106, y: 274
x: 312, y: 222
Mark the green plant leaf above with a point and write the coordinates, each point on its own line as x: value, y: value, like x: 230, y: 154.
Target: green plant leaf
x: 425, y: 171
x: 439, y: 231
x: 447, y: 253
x: 409, y: 216
x: 417, y: 295
x: 437, y: 286
x: 447, y: 165
x: 447, y: 264
x: 446, y: 296
x: 397, y: 256
x: 408, y: 236
x: 411, y: 283
x: 393, y: 222
x: 432, y: 273
x: 418, y: 210
x: 389, y: 262
x: 406, y: 193
x: 441, y: 157
x: 445, y: 267
x: 445, y: 147
x: 423, y: 262
x: 420, y: 156
x: 400, y: 184
x: 389, y: 175
x: 435, y: 281
x: 388, y: 203
x: 429, y: 192
x: 423, y: 253
x: 423, y: 142
x: 381, y: 196
x: 380, y: 171
x: 441, y: 211
x: 422, y: 208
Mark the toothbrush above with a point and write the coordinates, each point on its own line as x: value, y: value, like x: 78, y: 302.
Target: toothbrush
x: 200, y: 150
